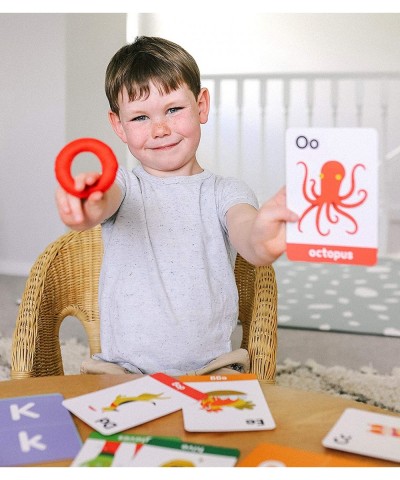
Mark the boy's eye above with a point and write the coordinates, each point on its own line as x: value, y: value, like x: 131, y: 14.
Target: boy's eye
x: 140, y: 118
x: 174, y: 109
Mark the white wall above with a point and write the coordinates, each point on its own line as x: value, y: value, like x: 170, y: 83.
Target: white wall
x: 91, y: 41
x: 51, y: 91
x: 283, y: 42
x: 32, y: 127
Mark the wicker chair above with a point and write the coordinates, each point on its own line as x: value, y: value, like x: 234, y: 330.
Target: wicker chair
x: 64, y: 282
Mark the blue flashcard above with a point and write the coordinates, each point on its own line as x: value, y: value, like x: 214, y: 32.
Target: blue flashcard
x: 36, y: 429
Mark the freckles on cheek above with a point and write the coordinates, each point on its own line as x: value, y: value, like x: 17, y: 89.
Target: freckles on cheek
x: 191, y: 126
x: 136, y: 136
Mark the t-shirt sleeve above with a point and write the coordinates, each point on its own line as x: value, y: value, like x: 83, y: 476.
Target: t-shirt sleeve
x: 230, y: 192
x: 121, y: 181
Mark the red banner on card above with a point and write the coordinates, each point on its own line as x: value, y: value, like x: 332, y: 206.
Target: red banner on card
x: 178, y: 386
x: 331, y: 254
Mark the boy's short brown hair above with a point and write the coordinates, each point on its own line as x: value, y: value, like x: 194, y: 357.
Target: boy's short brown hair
x: 154, y: 59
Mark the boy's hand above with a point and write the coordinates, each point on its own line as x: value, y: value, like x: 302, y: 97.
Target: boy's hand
x: 260, y: 236
x: 269, y: 229
x: 81, y: 214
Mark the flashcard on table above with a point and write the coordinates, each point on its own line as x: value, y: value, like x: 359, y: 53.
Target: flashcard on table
x: 164, y: 452
x: 232, y: 403
x: 270, y: 455
x: 111, y: 451
x: 366, y: 433
x: 36, y: 429
x: 132, y: 403
x: 332, y: 185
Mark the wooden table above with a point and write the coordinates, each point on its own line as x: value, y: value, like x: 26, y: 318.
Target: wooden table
x: 302, y: 418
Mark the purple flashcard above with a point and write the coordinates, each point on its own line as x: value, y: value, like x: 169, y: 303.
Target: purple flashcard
x: 36, y: 429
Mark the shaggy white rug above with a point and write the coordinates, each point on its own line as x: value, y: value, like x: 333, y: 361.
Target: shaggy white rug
x: 364, y: 385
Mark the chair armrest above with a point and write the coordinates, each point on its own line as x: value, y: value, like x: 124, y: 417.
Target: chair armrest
x: 63, y: 281
x: 262, y: 343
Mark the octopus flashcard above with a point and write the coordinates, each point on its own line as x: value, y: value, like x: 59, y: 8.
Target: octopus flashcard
x: 332, y: 185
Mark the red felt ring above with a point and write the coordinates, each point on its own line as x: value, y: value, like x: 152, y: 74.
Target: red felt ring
x: 66, y: 156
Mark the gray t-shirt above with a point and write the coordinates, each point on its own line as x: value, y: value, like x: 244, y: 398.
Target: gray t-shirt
x: 168, y: 297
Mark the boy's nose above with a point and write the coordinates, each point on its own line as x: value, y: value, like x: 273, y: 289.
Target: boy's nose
x: 160, y: 129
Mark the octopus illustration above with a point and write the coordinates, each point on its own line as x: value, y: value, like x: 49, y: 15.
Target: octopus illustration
x: 332, y: 175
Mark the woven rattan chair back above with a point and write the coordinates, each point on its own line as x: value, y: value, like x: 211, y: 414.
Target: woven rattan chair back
x: 64, y: 282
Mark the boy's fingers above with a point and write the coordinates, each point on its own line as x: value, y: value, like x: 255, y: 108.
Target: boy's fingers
x: 70, y: 207
x: 62, y: 201
x: 280, y: 213
x: 75, y: 205
x: 85, y: 179
x: 291, y: 216
x: 95, y: 197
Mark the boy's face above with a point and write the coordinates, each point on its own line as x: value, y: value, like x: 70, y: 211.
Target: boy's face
x: 163, y: 131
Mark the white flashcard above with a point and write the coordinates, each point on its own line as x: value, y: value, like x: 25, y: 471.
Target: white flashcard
x: 366, y: 433
x: 114, y: 409
x: 332, y: 185
x: 232, y: 403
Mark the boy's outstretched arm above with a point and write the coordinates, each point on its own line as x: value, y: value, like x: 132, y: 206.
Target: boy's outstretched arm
x: 260, y: 235
x: 82, y: 214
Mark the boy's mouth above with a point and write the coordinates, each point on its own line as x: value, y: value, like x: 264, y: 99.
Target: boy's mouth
x: 167, y: 146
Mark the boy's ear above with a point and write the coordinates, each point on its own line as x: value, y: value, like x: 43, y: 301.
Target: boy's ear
x: 203, y: 102
x: 116, y: 125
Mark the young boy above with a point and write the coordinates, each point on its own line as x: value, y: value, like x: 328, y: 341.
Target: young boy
x: 171, y: 230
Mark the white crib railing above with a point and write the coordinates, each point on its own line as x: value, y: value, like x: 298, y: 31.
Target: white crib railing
x: 250, y: 113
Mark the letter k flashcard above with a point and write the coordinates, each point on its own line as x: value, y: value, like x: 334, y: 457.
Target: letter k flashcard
x: 36, y: 429
x: 332, y: 185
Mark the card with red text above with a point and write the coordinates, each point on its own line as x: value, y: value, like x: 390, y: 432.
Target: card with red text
x: 332, y: 185
x: 366, y: 433
x: 114, y: 409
